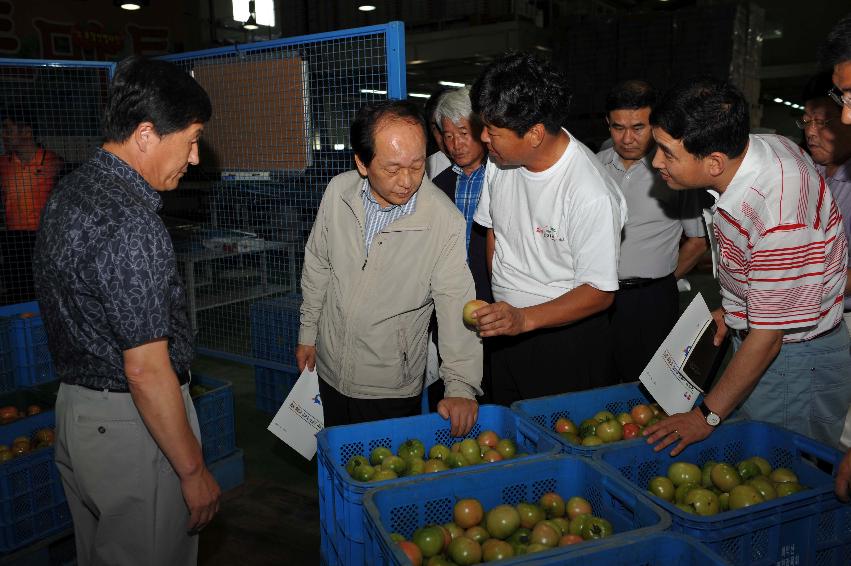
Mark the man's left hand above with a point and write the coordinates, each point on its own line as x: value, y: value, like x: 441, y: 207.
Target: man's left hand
x: 687, y: 428
x: 500, y: 319
x: 462, y: 414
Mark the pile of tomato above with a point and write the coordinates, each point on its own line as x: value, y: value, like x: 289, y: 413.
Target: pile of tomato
x: 475, y: 536
x: 719, y: 486
x: 410, y: 458
x: 605, y: 427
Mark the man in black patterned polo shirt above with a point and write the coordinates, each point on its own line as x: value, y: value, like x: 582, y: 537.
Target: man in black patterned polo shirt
x: 128, y: 447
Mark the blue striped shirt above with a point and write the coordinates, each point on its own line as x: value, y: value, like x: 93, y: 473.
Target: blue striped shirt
x: 468, y: 189
x: 376, y: 218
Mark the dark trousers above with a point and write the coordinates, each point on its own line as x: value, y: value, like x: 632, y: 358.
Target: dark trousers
x: 552, y: 361
x: 16, y: 247
x: 641, y: 319
x: 340, y: 409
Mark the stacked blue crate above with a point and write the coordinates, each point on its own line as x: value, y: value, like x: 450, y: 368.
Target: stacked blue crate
x: 274, y: 335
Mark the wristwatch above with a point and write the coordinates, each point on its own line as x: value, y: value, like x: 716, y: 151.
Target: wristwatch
x: 711, y: 418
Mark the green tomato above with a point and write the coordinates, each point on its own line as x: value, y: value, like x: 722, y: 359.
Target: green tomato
x: 787, y: 488
x: 592, y: 440
x: 395, y: 464
x: 596, y: 528
x: 438, y: 452
x: 662, y: 487
x: 764, y: 466
x: 354, y: 462
x: 744, y: 496
x: 364, y: 472
x: 725, y: 477
x: 704, y: 502
x: 429, y: 539
x: 748, y: 469
x: 378, y: 454
x: 705, y: 478
x: 604, y: 416
x: 682, y: 490
x: 411, y: 448
x: 763, y: 486
x: 684, y: 472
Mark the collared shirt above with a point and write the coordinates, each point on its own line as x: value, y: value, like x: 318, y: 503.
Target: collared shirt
x: 657, y: 218
x: 376, y: 218
x: 468, y: 189
x: 26, y: 187
x: 106, y: 276
x: 782, y: 250
x: 840, y: 188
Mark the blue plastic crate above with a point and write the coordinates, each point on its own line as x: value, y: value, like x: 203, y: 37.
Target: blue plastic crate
x: 271, y: 387
x: 7, y: 366
x: 274, y: 329
x: 651, y: 550
x: 32, y: 501
x: 31, y: 361
x: 229, y: 471
x: 215, y: 417
x: 404, y: 508
x: 545, y: 411
x: 809, y: 527
x: 340, y: 496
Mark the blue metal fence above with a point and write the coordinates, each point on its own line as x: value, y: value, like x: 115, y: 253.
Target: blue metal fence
x: 279, y: 133
x: 50, y: 113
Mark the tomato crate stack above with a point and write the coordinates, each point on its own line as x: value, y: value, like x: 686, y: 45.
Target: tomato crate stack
x: 274, y: 329
x: 32, y: 501
x: 545, y: 411
x: 213, y: 399
x: 405, y: 507
x: 341, y: 497
x: 271, y: 387
x: 31, y: 361
x: 808, y: 527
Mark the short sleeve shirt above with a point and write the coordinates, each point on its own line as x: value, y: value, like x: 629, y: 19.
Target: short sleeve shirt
x: 783, y: 252
x: 26, y: 187
x: 658, y: 217
x: 106, y: 275
x: 555, y: 230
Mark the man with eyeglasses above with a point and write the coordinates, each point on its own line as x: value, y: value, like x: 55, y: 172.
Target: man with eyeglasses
x: 836, y: 55
x: 829, y: 143
x: 647, y: 301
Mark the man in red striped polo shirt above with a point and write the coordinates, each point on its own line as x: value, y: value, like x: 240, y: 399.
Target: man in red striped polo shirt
x: 783, y: 257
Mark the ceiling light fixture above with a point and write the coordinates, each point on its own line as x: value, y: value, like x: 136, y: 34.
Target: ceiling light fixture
x: 418, y: 95
x: 251, y: 23
x: 451, y: 83
x: 787, y: 103
x: 372, y: 91
x: 366, y: 7
x: 778, y: 100
x: 130, y: 5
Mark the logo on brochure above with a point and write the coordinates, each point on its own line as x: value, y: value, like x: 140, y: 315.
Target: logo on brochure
x: 549, y: 233
x: 317, y: 400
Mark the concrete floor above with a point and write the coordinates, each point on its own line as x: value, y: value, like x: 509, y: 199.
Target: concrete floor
x: 274, y: 517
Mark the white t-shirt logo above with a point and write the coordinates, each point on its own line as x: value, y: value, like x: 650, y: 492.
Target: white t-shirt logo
x: 549, y: 233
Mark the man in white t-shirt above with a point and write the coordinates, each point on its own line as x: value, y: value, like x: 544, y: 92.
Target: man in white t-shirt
x: 554, y: 219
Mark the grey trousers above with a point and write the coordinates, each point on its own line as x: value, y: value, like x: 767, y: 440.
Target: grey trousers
x: 124, y: 496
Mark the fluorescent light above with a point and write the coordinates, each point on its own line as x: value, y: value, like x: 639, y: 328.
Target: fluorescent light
x: 418, y: 95
x: 131, y: 6
x: 339, y: 146
x: 372, y: 91
x: 366, y: 8
x: 450, y: 83
x: 787, y: 103
x: 778, y: 100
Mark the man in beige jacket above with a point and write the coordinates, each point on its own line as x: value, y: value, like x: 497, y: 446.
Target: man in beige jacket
x: 387, y: 249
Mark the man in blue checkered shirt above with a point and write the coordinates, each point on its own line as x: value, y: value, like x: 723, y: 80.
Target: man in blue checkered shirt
x: 462, y: 182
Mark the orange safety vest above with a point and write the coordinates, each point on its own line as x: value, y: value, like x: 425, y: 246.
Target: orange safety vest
x: 26, y: 187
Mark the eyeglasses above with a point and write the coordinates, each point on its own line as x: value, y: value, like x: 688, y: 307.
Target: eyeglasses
x: 839, y: 97
x: 804, y: 123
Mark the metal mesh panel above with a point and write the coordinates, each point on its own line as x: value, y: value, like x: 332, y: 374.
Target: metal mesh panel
x: 279, y: 133
x: 50, y: 123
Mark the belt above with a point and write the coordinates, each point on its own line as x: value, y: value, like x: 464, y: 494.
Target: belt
x: 639, y: 282
x: 182, y: 378
x: 742, y: 334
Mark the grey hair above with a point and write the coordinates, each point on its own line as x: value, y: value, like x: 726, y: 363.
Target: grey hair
x: 453, y: 105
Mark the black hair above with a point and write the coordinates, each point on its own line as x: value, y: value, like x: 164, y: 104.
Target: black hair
x: 707, y: 114
x: 631, y: 95
x: 818, y: 86
x: 518, y: 91
x: 20, y: 115
x: 362, y: 134
x: 148, y: 90
x: 836, y: 48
